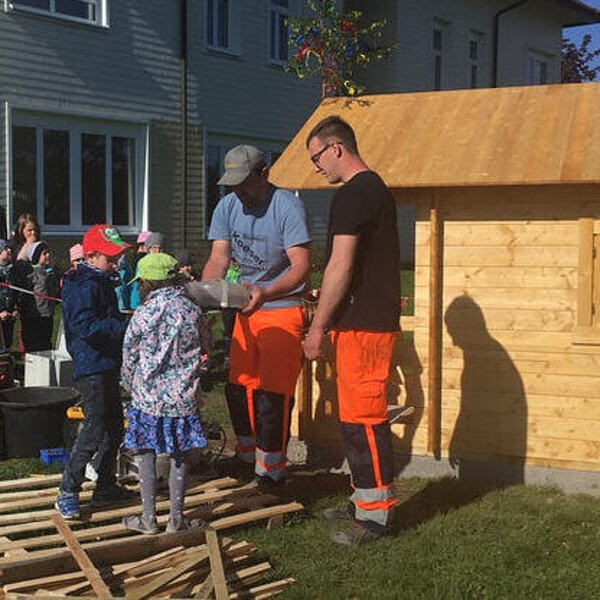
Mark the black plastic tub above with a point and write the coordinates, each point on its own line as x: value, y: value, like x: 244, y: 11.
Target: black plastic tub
x: 33, y: 418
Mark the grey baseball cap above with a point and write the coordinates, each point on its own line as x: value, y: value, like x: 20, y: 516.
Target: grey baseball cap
x: 239, y: 162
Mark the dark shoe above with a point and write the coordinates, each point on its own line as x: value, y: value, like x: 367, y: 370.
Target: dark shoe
x: 356, y: 535
x: 140, y: 524
x: 67, y: 505
x: 183, y: 524
x: 234, y: 467
x: 338, y: 514
x: 115, y: 494
x: 269, y: 486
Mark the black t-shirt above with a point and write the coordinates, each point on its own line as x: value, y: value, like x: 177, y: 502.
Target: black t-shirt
x: 365, y: 207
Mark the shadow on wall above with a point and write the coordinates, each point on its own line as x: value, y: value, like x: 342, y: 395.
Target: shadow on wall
x: 323, y: 439
x: 489, y: 441
x: 491, y: 427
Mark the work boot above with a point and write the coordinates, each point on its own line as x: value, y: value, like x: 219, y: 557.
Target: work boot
x: 345, y: 513
x: 356, y: 535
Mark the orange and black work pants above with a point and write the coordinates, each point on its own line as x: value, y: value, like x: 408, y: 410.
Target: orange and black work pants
x: 362, y: 361
x: 264, y: 364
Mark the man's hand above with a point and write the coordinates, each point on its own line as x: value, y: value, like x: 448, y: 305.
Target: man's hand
x: 257, y: 298
x: 4, y: 315
x: 313, y: 343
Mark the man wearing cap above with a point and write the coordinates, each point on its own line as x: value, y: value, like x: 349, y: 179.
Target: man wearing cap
x: 264, y: 229
x: 94, y: 331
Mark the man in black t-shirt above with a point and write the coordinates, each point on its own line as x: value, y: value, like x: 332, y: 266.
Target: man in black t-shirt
x: 360, y: 305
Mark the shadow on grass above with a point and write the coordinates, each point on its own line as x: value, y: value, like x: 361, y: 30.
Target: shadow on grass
x: 437, y: 498
x: 308, y: 487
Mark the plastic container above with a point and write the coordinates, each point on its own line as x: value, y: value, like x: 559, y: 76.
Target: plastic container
x: 54, y: 456
x: 34, y: 418
x: 217, y: 293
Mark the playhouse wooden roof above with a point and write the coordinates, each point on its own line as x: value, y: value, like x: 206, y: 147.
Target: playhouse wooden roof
x: 504, y: 136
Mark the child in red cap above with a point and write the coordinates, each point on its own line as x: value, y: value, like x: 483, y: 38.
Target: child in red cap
x: 94, y: 330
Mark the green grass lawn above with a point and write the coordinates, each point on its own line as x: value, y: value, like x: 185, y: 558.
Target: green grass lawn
x: 452, y: 540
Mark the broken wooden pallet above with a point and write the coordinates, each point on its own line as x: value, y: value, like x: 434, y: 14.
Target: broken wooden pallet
x: 34, y: 556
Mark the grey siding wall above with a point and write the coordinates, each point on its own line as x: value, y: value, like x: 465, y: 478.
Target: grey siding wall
x: 3, y: 163
x: 536, y: 26
x: 129, y: 70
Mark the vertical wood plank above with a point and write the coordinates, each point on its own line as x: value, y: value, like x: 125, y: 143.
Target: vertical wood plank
x: 216, y: 565
x: 436, y: 240
x: 585, y: 273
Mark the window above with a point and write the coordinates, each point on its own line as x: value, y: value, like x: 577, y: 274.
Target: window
x: 223, y: 25
x: 215, y: 153
x: 538, y: 68
x: 72, y: 174
x: 85, y: 11
x: 437, y: 50
x: 588, y: 283
x: 475, y: 54
x: 279, y: 30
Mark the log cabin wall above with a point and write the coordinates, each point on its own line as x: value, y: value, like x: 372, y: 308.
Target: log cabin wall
x: 516, y: 386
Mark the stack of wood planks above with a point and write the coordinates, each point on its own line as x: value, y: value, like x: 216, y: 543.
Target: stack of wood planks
x: 96, y: 556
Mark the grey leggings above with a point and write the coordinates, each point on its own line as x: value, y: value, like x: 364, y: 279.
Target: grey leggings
x: 146, y: 462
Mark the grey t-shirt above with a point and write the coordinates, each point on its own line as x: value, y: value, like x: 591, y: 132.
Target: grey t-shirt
x: 259, y: 237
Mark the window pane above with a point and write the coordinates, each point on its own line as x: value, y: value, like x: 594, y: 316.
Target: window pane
x: 473, y: 50
x: 76, y: 8
x: 42, y: 4
x: 24, y: 171
x: 123, y: 181
x: 283, y: 38
x: 223, y: 24
x: 273, y: 34
x: 473, y: 76
x: 213, y: 172
x: 283, y: 3
x: 437, y: 72
x: 56, y: 177
x: 93, y: 178
x: 437, y: 39
x: 210, y: 22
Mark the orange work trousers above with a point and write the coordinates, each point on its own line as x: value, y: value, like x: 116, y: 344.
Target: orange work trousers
x: 265, y: 361
x: 362, y: 361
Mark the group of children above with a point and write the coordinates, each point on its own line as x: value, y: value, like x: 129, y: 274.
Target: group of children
x: 156, y: 355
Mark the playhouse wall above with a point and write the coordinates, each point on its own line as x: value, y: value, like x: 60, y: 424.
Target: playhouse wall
x: 516, y: 387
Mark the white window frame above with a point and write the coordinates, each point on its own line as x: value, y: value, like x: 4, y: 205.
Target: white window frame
x: 536, y: 62
x: 76, y: 126
x: 475, y: 37
x: 101, y: 19
x: 276, y: 11
x: 234, y: 32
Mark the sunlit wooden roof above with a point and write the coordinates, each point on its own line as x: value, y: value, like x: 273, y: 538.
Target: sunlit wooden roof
x: 504, y: 136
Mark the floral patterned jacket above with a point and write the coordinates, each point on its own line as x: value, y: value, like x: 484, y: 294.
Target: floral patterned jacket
x: 165, y: 343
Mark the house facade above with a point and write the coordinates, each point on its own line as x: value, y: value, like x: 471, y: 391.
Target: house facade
x: 122, y: 110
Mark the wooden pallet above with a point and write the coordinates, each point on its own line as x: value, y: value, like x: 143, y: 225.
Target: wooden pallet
x: 40, y: 553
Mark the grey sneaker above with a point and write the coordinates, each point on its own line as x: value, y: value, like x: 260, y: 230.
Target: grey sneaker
x: 356, y: 535
x: 184, y: 524
x: 140, y: 524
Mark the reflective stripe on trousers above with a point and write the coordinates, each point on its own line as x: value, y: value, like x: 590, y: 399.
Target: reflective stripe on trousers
x: 362, y: 366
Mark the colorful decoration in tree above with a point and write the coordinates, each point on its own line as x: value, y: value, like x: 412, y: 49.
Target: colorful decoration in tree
x: 332, y: 46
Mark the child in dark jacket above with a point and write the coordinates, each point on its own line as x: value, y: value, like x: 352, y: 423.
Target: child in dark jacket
x: 94, y: 331
x: 8, y: 305
x: 37, y: 312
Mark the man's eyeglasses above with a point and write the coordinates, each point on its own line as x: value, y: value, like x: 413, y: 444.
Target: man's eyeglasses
x: 315, y: 158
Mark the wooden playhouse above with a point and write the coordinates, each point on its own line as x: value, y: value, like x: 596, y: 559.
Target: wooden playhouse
x: 501, y: 359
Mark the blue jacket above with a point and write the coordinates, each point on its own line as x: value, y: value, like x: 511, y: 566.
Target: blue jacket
x: 94, y: 328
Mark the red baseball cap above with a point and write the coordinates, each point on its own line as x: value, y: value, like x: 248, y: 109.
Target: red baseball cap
x: 105, y: 239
